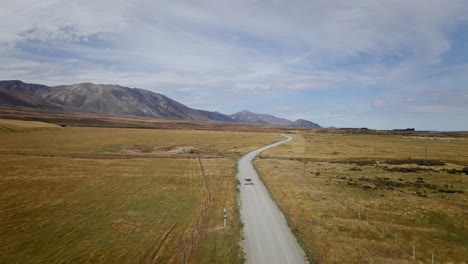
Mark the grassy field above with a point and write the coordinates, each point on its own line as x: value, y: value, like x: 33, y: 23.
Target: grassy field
x: 9, y: 126
x: 333, y: 146
x: 214, y: 243
x: 349, y: 203
x: 148, y: 142
x: 57, y: 209
x: 113, y: 195
x: 123, y: 195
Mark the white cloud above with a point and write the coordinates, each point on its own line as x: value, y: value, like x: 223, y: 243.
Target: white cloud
x: 55, y: 19
x: 206, y: 35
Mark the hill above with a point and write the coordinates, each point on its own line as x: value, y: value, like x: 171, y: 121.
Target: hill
x: 305, y: 124
x: 101, y: 99
x: 246, y: 116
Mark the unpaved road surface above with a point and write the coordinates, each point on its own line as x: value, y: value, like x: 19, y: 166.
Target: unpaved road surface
x: 268, y: 238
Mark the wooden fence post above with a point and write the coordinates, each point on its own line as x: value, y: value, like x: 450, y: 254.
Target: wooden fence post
x: 225, y: 217
x: 183, y: 257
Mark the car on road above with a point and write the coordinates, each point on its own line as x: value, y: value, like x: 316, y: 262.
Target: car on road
x: 248, y: 181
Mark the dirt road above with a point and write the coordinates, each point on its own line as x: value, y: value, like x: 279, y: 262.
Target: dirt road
x: 268, y: 238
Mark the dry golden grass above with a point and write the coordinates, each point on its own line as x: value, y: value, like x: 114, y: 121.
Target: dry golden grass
x: 349, y: 146
x: 74, y: 210
x: 8, y: 126
x: 214, y: 243
x: 78, y: 195
x: 322, y: 193
x: 85, y: 140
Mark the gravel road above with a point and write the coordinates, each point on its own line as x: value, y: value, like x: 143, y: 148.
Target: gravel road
x: 268, y: 238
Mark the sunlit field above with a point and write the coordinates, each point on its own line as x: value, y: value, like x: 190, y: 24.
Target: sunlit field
x: 115, y: 195
x: 350, y: 202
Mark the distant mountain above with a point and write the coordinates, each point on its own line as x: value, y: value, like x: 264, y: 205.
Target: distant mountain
x: 305, y: 124
x: 249, y: 117
x: 102, y: 99
x: 119, y: 100
x: 9, y: 98
x: 246, y: 116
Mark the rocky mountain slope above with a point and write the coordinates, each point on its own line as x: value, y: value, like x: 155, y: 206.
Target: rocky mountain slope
x: 105, y: 99
x: 305, y: 124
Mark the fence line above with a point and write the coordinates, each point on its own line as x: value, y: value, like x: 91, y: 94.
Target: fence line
x: 194, y: 230
x: 204, y: 177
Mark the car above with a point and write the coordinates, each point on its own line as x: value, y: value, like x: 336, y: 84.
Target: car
x: 248, y: 181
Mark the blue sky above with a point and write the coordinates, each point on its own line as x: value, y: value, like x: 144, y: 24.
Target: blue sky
x: 363, y: 63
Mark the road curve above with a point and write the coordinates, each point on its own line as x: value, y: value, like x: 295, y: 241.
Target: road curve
x: 267, y: 237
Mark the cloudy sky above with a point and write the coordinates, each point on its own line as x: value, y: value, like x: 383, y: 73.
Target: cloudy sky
x: 362, y: 63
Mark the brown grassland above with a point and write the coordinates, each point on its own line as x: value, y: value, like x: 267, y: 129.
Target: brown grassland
x: 135, y: 192
x: 7, y: 125
x: 367, y: 198
x: 119, y: 195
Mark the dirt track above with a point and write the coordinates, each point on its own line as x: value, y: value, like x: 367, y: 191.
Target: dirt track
x: 268, y: 238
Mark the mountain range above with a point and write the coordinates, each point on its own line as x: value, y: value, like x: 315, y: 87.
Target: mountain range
x: 119, y: 100
x: 246, y: 116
